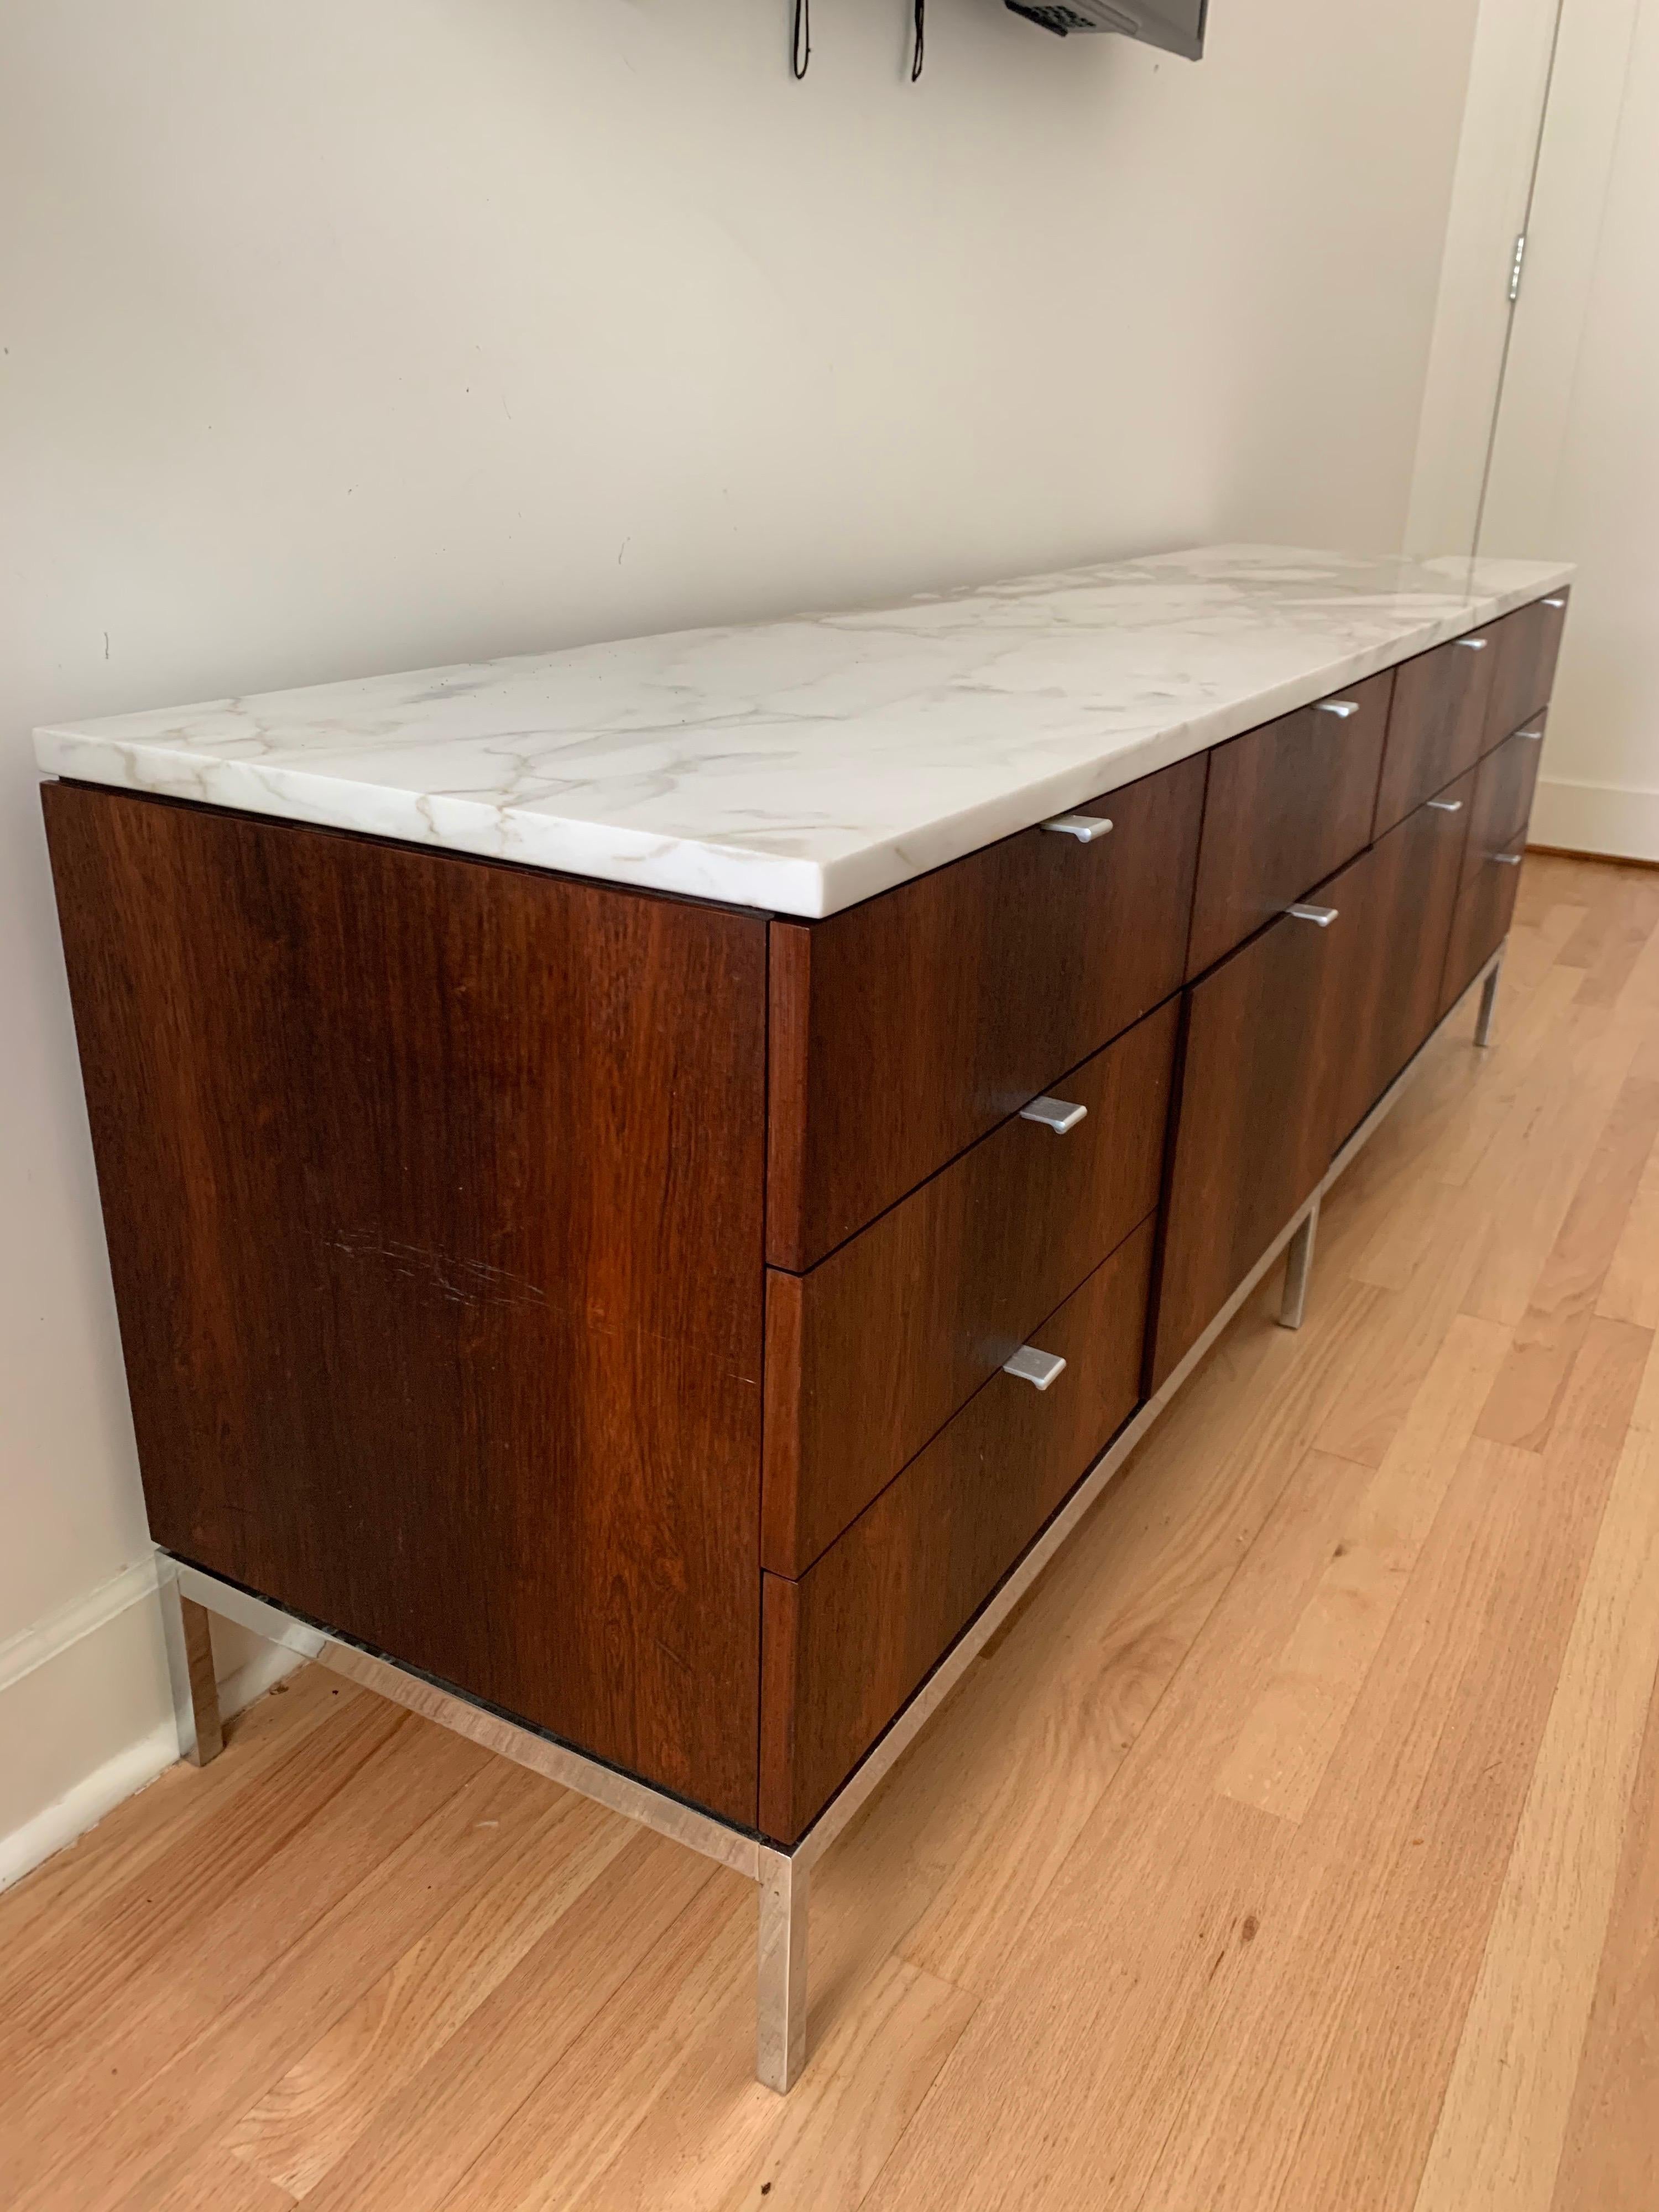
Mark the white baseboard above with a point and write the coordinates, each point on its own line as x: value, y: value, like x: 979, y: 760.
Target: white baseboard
x: 85, y: 1804
x: 86, y: 1712
x: 1596, y: 817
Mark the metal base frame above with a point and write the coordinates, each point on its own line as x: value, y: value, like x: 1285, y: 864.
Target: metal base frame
x: 783, y: 1877
x: 1298, y: 1269
x: 1483, y: 1020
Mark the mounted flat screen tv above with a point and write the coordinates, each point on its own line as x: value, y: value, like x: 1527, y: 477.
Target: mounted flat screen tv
x: 1177, y: 26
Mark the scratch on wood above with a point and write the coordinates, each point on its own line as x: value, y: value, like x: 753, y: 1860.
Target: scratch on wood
x: 463, y: 1281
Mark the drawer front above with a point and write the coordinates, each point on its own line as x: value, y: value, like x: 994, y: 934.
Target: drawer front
x: 844, y: 1647
x: 1253, y: 1129
x: 1286, y: 805
x: 1502, y: 798
x: 1481, y: 920
x: 1529, y: 645
x: 1396, y: 922
x: 869, y: 1355
x: 905, y: 1029
x: 1437, y: 723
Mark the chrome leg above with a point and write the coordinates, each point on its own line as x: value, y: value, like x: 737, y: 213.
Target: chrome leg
x: 1483, y: 1020
x: 1299, y: 1266
x: 189, y: 1668
x: 780, y: 2039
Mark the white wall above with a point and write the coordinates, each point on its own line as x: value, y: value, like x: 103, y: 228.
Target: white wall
x: 1576, y: 462
x: 1509, y: 76
x: 345, y: 337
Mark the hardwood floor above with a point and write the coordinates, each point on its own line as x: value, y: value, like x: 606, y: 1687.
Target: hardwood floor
x: 1296, y: 1845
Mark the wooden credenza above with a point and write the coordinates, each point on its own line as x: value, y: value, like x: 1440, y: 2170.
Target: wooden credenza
x: 602, y: 1302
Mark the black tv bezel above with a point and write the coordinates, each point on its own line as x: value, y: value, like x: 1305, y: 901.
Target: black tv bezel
x: 1163, y: 35
x: 1191, y: 50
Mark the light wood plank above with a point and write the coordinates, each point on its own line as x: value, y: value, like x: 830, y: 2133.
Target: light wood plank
x: 1322, y: 2088
x: 1536, y: 1161
x: 1286, y: 1743
x: 1527, y: 1397
x: 214, y: 2181
x: 832, y: 2146
x: 64, y: 1995
x: 1518, y: 1069
x: 425, y: 2137
x: 53, y: 1916
x: 1503, y: 2121
x: 1368, y: 2128
x: 1407, y: 1329
x: 154, y: 2003
x: 709, y: 2122
x: 306, y: 2123
x: 1613, y: 935
x: 1630, y: 1291
x: 199, y: 2083
x: 1109, y: 1992
x: 1149, y: 1573
x: 560, y: 2135
x: 1611, y: 2156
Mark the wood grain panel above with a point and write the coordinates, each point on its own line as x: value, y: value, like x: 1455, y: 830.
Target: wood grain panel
x: 869, y: 1355
x: 433, y: 1190
x: 1438, y: 722
x: 1529, y: 645
x: 1481, y: 919
x: 1286, y: 803
x: 1502, y: 800
x: 899, y: 1586
x: 905, y: 1028
x: 1387, y: 990
x: 1253, y: 1132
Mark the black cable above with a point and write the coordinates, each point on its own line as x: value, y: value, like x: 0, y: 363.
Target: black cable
x: 921, y: 40
x: 801, y: 53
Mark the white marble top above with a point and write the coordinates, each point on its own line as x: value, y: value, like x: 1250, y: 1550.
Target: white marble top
x: 801, y: 765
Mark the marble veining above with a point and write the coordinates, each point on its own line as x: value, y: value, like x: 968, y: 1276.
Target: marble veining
x: 802, y: 765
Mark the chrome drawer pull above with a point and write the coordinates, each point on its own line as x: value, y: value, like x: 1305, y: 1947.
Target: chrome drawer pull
x: 1056, y: 1113
x: 1475, y: 644
x: 1324, y: 915
x: 1447, y: 805
x: 1505, y: 860
x: 1343, y: 708
x: 1537, y: 736
x: 1556, y: 604
x: 1038, y: 1368
x: 1085, y: 828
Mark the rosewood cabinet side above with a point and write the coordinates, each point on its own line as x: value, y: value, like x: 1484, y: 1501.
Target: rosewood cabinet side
x: 433, y: 1197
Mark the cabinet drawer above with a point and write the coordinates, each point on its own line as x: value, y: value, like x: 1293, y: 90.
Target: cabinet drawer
x: 1438, y: 722
x: 1396, y: 921
x: 869, y: 1355
x: 844, y: 1647
x: 1502, y: 808
x: 1528, y: 647
x: 1286, y: 803
x: 1481, y: 920
x: 1253, y: 1127
x: 905, y: 1028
